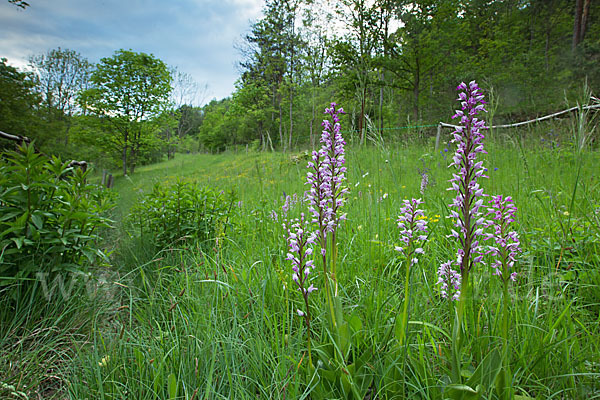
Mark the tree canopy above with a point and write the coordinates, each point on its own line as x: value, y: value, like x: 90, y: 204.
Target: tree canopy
x: 129, y: 89
x: 396, y: 63
x: 391, y: 63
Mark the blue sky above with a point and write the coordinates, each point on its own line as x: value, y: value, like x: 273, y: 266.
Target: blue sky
x: 196, y: 36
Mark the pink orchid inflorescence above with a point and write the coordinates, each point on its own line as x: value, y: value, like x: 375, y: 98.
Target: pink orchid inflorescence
x: 300, y: 242
x: 449, y: 281
x: 424, y: 182
x: 327, y: 175
x: 466, y: 207
x: 506, y: 240
x: 413, y: 229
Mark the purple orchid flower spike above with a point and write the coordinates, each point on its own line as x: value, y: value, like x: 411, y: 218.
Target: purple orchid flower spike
x: 506, y: 241
x: 469, y: 221
x: 413, y: 230
x: 327, y: 194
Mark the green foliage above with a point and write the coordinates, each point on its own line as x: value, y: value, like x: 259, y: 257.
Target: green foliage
x: 91, y: 136
x: 60, y: 75
x: 234, y: 311
x: 130, y: 89
x: 398, y: 59
x: 183, y: 211
x: 190, y: 119
x: 343, y: 360
x: 216, y: 129
x: 50, y: 217
x: 180, y: 130
x: 17, y: 100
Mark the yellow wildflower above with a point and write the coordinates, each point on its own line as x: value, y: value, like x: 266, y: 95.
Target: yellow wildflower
x: 104, y: 361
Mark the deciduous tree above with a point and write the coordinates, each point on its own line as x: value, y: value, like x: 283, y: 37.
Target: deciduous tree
x: 130, y: 89
x: 60, y: 76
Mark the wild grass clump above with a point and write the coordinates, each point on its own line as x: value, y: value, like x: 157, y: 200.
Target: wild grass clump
x: 44, y: 326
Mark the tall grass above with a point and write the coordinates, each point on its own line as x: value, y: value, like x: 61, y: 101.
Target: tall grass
x: 190, y: 323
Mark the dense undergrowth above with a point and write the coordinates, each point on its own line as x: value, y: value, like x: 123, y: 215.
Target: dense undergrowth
x: 219, y: 321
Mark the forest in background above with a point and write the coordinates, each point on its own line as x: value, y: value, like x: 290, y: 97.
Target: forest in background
x: 391, y: 64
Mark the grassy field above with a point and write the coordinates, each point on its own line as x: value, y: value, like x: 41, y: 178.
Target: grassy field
x: 218, y: 319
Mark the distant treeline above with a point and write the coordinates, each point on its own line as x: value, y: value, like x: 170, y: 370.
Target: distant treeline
x: 397, y: 63
x: 389, y: 63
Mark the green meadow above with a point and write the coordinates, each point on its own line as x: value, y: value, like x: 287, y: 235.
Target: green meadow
x: 217, y: 319
x: 242, y: 252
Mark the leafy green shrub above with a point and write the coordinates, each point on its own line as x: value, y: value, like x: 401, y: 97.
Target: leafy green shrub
x: 50, y: 216
x: 182, y: 211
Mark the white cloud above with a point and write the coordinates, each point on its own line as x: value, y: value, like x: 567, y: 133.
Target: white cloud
x: 196, y: 36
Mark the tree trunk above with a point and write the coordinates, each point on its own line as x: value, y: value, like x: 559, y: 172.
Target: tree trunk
x: 584, y: 17
x: 124, y: 160
x: 168, y: 143
x: 416, y: 103
x: 416, y: 92
x: 577, y: 23
x: 132, y: 160
x: 281, y: 126
x: 386, y: 33
x: 416, y: 89
x: 292, y: 48
x: 274, y: 101
x: 67, y: 131
x: 547, y: 49
x: 262, y: 136
x: 270, y: 142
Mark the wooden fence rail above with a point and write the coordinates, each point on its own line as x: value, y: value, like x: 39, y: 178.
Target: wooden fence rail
x: 15, y: 138
x: 545, y: 117
x: 23, y: 139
